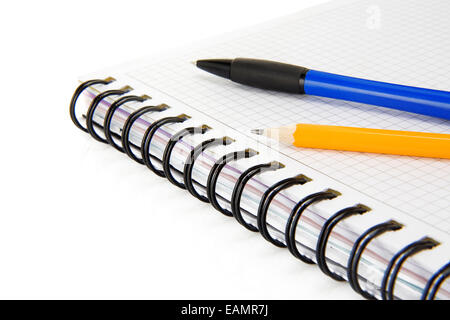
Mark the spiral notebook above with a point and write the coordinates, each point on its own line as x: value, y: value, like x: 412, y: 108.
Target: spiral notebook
x: 380, y: 222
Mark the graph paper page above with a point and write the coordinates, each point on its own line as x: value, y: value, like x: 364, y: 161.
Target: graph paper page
x: 403, y: 42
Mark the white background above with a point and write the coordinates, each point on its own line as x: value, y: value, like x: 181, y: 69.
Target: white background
x: 80, y: 220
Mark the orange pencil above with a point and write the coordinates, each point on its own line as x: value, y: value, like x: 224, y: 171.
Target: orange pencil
x: 405, y: 143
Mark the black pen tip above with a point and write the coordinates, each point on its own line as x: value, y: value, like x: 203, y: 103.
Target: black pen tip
x: 219, y: 67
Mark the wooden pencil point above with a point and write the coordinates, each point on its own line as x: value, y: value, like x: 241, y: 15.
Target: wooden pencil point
x: 257, y: 131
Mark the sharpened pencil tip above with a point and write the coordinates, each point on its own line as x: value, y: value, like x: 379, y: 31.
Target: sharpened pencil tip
x: 257, y: 131
x: 194, y: 63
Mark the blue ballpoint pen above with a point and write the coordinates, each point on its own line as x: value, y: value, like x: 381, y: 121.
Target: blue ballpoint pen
x: 295, y: 79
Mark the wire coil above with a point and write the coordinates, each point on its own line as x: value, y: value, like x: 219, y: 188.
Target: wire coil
x: 267, y: 198
x: 132, y: 118
x: 358, y: 248
x: 435, y: 282
x: 215, y: 172
x: 109, y: 116
x: 81, y: 88
x: 148, y: 136
x: 294, y: 217
x: 120, y: 98
x: 240, y: 185
x: 171, y: 144
x: 391, y: 272
x: 327, y: 228
x: 189, y: 165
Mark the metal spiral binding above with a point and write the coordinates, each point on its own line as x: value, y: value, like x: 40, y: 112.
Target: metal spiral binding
x: 325, y: 232
x: 110, y: 113
x: 358, y: 248
x: 395, y: 264
x: 240, y: 185
x: 93, y: 106
x: 148, y: 136
x: 195, y: 153
x: 435, y: 282
x: 215, y: 172
x: 267, y: 198
x: 294, y: 217
x: 81, y: 88
x: 171, y: 144
x: 133, y: 117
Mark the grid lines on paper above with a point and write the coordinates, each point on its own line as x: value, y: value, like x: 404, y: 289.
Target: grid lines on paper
x: 408, y: 44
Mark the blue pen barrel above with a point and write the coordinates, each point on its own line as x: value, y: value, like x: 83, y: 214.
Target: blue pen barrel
x: 428, y: 102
